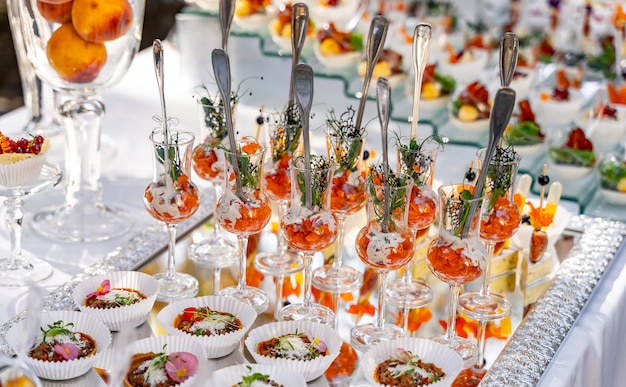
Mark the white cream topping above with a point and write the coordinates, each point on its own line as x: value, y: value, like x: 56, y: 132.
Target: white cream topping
x: 318, y: 219
x: 215, y: 324
x: 153, y: 375
x: 380, y: 245
x: 229, y: 209
x: 118, y: 293
x: 355, y: 178
x: 163, y: 200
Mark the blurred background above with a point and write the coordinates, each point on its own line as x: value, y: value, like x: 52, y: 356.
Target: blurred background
x: 159, y: 17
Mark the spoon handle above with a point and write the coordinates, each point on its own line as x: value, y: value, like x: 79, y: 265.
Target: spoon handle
x: 358, y: 15
x: 303, y: 84
x: 221, y: 70
x: 421, y: 47
x: 157, y: 54
x: 508, y: 58
x: 375, y: 43
x: 383, y: 98
x: 227, y: 11
x: 299, y: 26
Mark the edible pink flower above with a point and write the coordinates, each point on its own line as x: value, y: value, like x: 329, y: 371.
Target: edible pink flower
x: 181, y: 366
x: 67, y: 351
x: 103, y: 289
x: 317, y: 343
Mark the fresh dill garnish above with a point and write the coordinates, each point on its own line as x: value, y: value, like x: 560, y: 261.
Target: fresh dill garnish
x: 500, y: 174
x: 249, y: 169
x: 319, y: 166
x: 414, y: 162
x: 399, y: 186
x: 173, y: 155
x: 458, y: 207
x: 345, y: 140
x: 285, y: 137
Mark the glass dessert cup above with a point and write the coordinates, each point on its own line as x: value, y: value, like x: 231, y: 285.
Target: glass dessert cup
x: 215, y: 251
x: 416, y: 158
x: 385, y: 243
x: 456, y: 256
x: 244, y: 209
x: 308, y: 227
x: 171, y: 197
x: 500, y: 220
x: 347, y: 196
x: 80, y: 58
x: 284, y: 140
x: 17, y: 269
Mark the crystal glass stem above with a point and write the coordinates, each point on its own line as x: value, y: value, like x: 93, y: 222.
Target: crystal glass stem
x: 171, y: 252
x: 453, y: 300
x: 484, y: 289
x: 480, y: 346
x: 280, y: 280
x: 382, y: 284
x: 242, y: 241
x: 217, y: 276
x: 281, y: 243
x: 14, y: 217
x: 307, y: 300
x: 341, y: 226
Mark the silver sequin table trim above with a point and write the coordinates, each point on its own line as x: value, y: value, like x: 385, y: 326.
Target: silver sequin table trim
x: 534, y: 343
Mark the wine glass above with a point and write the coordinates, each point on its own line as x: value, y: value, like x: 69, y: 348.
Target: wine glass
x: 500, y: 220
x: 16, y: 269
x: 172, y: 197
x: 385, y: 243
x: 284, y: 144
x: 214, y: 251
x: 244, y: 209
x: 456, y: 256
x: 416, y: 158
x: 80, y: 58
x: 345, y: 145
x: 309, y: 226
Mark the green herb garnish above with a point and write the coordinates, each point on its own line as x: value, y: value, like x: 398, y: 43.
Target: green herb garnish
x: 58, y: 328
x: 173, y: 155
x: 285, y: 139
x: 500, y: 174
x: 458, y: 208
x: 569, y: 156
x: 247, y: 381
x: 319, y: 181
x: 447, y: 83
x: 612, y: 173
x: 414, y: 162
x: 399, y: 184
x: 524, y: 133
x: 346, y: 140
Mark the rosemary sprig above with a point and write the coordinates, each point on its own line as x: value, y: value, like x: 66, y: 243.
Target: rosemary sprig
x: 285, y: 139
x: 319, y: 181
x: 346, y: 139
x: 458, y: 208
x: 398, y: 186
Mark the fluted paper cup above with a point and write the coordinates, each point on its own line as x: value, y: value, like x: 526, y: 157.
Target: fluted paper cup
x: 62, y: 370
x: 310, y: 369
x: 232, y: 375
x: 429, y: 351
x: 216, y: 345
x: 128, y: 315
x: 22, y: 172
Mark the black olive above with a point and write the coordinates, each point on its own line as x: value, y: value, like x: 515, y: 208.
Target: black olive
x: 470, y: 175
x: 525, y: 219
x: 543, y: 179
x: 260, y: 120
x: 366, y: 154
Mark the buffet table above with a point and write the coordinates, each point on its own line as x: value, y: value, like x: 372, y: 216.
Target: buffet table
x: 592, y: 351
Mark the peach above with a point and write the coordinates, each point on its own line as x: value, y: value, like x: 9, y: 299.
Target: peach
x: 101, y: 20
x: 58, y: 12
x: 73, y: 58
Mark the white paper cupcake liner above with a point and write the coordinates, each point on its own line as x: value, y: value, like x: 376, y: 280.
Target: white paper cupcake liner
x: 310, y: 369
x: 429, y: 351
x: 214, y: 346
x: 22, y: 172
x: 174, y: 344
x: 63, y: 370
x: 232, y: 375
x: 130, y: 315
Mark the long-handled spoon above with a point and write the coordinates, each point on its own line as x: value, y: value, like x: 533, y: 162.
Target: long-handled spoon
x: 383, y: 98
x: 227, y: 11
x: 358, y: 15
x: 375, y: 43
x: 221, y: 69
x: 303, y: 82
x: 421, y: 47
x: 299, y: 26
x: 157, y: 53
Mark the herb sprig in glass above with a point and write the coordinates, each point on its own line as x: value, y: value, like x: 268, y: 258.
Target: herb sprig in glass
x: 398, y: 186
x: 500, y: 174
x: 319, y: 181
x: 415, y: 163
x: 345, y: 151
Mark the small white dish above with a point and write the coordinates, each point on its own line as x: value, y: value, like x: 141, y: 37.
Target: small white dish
x: 569, y: 172
x: 129, y: 315
x: 529, y: 150
x: 257, y: 22
x: 231, y: 376
x: 465, y: 72
x: 604, y: 133
x: 522, y: 82
x: 429, y: 351
x: 614, y: 197
x: 285, y: 43
x: 339, y: 61
x: 557, y: 113
x: 480, y: 125
x: 310, y: 369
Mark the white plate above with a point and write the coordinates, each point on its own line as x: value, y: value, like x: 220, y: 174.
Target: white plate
x: 429, y: 351
x: 557, y: 113
x: 481, y: 125
x: 465, y: 72
x: 232, y: 375
x: 339, y: 61
x: 614, y: 197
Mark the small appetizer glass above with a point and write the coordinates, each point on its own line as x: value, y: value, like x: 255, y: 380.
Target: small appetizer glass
x: 215, y: 251
x: 385, y: 243
x: 457, y: 257
x: 345, y: 145
x: 309, y: 226
x: 172, y: 197
x: 284, y: 144
x: 416, y: 158
x: 244, y: 211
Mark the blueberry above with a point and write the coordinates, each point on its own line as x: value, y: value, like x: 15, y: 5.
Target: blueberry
x: 470, y: 175
x: 543, y: 179
x: 366, y: 154
x: 259, y: 120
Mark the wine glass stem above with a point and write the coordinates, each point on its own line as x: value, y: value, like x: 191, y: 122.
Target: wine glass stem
x: 484, y: 290
x: 341, y: 225
x: 335, y: 298
x: 382, y: 285
x: 280, y: 279
x: 481, y: 341
x: 407, y: 276
x: 83, y: 118
x: 307, y: 281
x: 171, y: 251
x: 217, y: 276
x: 281, y: 246
x: 217, y: 193
x: 14, y: 217
x: 243, y: 253
x: 453, y: 302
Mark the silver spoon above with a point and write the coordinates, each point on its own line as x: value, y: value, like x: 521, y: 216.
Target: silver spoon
x: 157, y: 53
x: 221, y: 70
x: 508, y: 58
x: 303, y: 83
x: 421, y: 47
x: 227, y: 11
x: 299, y: 26
x: 383, y: 98
x: 373, y: 48
x: 358, y: 15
